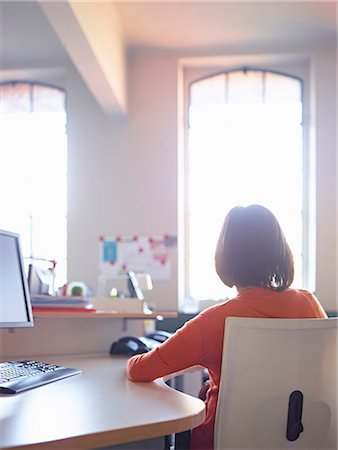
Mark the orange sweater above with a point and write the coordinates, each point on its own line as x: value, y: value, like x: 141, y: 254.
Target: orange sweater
x: 200, y: 341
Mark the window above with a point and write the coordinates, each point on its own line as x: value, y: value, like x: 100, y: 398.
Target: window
x: 33, y: 170
x: 245, y: 145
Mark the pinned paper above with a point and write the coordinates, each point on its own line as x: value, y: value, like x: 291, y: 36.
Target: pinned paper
x: 144, y: 254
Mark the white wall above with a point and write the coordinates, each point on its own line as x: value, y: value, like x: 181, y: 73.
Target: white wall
x: 66, y: 336
x: 123, y: 176
x: 325, y: 122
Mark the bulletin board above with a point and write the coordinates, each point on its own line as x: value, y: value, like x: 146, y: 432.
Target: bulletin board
x: 147, y: 254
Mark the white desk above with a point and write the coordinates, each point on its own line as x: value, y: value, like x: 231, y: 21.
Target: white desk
x: 98, y: 408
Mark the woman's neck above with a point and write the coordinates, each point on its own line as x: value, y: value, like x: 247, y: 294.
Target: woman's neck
x: 244, y: 288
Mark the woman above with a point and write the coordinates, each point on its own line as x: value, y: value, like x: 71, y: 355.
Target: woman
x: 253, y: 255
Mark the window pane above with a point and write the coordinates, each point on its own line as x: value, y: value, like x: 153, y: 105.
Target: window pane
x: 211, y: 91
x: 241, y: 152
x: 282, y: 89
x: 33, y: 170
x: 245, y: 87
x: 15, y: 97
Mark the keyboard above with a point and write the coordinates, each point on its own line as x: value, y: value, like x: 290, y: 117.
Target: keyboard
x: 18, y: 376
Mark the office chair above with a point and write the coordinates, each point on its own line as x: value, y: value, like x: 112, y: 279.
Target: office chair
x: 278, y: 385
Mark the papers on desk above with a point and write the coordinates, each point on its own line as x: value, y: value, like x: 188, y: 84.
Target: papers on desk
x: 61, y: 302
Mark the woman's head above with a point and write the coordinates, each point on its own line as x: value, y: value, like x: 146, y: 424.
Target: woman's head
x: 252, y: 250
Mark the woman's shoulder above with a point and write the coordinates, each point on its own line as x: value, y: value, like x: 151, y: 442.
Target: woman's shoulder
x: 220, y: 309
x: 296, y: 295
x: 305, y: 297
x: 300, y: 293
x: 219, y: 305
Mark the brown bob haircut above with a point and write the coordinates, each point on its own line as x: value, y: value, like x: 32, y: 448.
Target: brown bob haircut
x: 252, y: 250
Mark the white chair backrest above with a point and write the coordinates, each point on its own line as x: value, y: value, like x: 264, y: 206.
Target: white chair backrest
x: 264, y: 362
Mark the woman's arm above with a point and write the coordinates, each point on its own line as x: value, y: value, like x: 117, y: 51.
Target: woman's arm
x: 180, y: 351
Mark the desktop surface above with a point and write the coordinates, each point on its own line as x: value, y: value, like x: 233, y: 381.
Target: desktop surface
x: 98, y: 408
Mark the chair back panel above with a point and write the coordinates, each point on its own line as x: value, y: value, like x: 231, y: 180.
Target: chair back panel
x: 264, y: 361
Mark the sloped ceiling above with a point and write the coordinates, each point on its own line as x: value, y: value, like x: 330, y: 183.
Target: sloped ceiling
x: 97, y: 35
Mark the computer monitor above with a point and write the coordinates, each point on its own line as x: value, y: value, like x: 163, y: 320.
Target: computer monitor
x: 15, y: 302
x: 38, y: 281
x: 133, y: 286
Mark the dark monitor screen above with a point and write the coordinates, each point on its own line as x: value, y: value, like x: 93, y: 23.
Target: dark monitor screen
x: 37, y: 281
x: 15, y: 303
x: 133, y: 287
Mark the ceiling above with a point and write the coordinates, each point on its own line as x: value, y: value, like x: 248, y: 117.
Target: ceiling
x: 204, y: 25
x: 187, y: 28
x: 177, y: 26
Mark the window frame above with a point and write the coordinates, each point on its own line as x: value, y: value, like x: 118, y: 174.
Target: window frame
x: 192, y: 74
x: 23, y: 79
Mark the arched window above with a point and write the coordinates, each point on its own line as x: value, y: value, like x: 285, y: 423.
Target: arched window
x: 245, y: 146
x: 33, y: 170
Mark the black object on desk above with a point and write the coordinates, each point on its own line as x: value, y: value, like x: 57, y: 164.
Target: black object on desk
x: 159, y: 335
x: 130, y: 345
